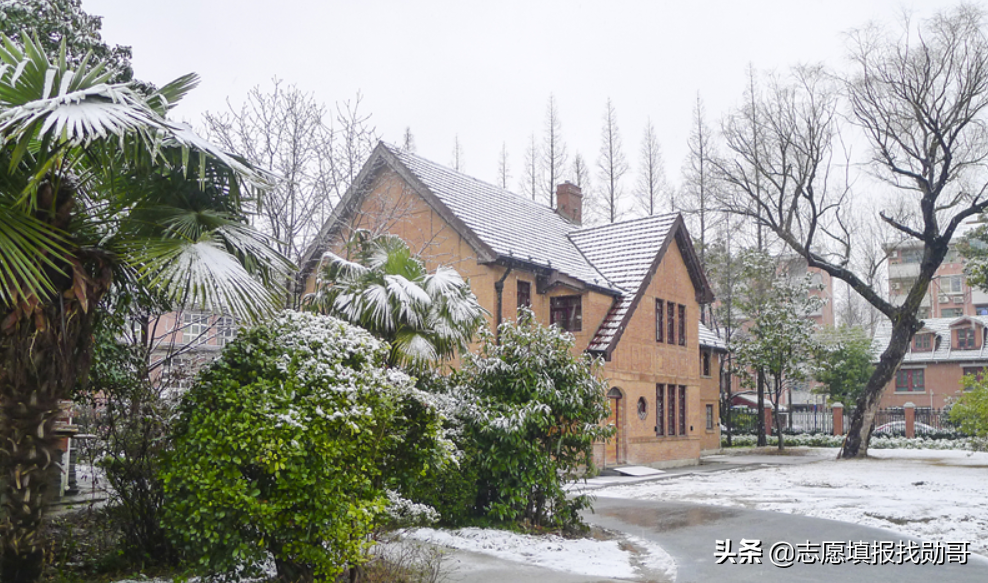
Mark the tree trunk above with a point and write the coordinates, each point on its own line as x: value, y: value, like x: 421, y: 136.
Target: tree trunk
x: 859, y: 433
x: 777, y: 417
x: 43, y: 354
x: 726, y: 383
x: 45, y: 347
x: 292, y: 572
x: 760, y: 426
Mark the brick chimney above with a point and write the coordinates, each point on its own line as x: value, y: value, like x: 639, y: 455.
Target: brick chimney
x: 569, y: 202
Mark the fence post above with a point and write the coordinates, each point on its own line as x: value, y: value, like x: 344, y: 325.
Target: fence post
x: 768, y: 421
x: 910, y: 410
x: 837, y: 410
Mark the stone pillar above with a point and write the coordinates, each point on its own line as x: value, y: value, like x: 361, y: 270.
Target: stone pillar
x: 910, y: 410
x: 837, y: 409
x: 768, y: 420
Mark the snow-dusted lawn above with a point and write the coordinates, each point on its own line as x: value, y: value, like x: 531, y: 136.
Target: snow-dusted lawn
x: 629, y: 558
x: 927, y: 494
x: 595, y: 558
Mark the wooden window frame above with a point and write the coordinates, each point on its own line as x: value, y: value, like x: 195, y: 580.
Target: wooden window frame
x: 659, y: 320
x: 682, y: 325
x: 910, y: 380
x: 968, y: 342
x: 682, y: 409
x: 572, y: 320
x: 672, y: 410
x: 671, y: 323
x: 660, y: 411
x: 523, y: 298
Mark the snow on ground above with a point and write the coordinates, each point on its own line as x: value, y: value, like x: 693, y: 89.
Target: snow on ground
x: 927, y: 494
x: 594, y: 558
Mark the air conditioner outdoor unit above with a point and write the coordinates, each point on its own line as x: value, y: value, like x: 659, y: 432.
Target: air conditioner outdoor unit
x: 944, y: 300
x: 896, y: 285
x: 959, y: 300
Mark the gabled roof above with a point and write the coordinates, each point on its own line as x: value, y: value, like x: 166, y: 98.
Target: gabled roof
x: 507, y: 229
x: 943, y: 350
x: 498, y: 224
x: 628, y: 253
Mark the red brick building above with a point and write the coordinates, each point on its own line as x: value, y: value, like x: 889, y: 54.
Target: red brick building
x: 940, y: 354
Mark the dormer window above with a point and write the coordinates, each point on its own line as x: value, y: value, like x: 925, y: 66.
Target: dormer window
x: 923, y: 343
x: 965, y: 339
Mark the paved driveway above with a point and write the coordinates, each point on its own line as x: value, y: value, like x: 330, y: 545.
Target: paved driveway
x: 689, y: 532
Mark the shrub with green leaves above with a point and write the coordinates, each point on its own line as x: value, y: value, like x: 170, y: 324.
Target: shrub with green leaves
x: 533, y: 410
x: 970, y: 412
x: 286, y: 448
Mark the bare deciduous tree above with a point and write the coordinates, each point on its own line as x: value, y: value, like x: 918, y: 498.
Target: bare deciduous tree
x: 920, y: 96
x: 503, y: 167
x: 697, y: 191
x: 408, y: 141
x: 611, y: 164
x: 353, y: 140
x: 553, y: 155
x: 593, y: 211
x: 652, y: 186
x: 284, y: 130
x: 529, y: 183
x: 457, y: 157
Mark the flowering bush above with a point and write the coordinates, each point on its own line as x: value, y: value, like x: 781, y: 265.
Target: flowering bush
x: 287, y: 446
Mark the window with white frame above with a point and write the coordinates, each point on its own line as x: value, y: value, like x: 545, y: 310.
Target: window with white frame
x: 952, y: 284
x: 195, y: 326
x: 226, y: 330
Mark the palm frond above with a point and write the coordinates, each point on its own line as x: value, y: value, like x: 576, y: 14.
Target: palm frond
x: 27, y: 247
x: 203, y: 274
x: 170, y: 94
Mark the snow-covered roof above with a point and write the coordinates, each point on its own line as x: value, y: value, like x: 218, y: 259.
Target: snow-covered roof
x: 750, y: 399
x: 943, y: 350
x: 624, y: 253
x: 709, y: 339
x: 512, y: 225
x: 616, y: 259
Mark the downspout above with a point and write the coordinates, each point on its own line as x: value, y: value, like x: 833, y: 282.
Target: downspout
x: 499, y: 292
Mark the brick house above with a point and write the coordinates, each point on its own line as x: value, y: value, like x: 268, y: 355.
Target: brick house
x: 629, y: 292
x: 939, y: 355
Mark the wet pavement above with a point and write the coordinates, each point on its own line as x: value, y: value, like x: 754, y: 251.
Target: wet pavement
x: 689, y: 532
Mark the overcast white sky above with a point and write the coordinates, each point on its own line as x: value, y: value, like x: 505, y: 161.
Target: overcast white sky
x: 485, y: 70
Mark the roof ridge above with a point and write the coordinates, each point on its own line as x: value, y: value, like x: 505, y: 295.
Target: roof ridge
x: 624, y: 222
x: 397, y: 150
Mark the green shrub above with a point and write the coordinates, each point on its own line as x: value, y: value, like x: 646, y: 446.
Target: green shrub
x: 532, y: 410
x: 288, y: 444
x: 970, y: 412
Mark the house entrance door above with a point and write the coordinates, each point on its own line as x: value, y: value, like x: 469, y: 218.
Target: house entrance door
x: 612, y: 449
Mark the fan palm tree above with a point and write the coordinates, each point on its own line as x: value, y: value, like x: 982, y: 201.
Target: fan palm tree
x: 99, y: 189
x: 425, y: 317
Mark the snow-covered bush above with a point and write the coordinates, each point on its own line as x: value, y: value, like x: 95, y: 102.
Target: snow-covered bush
x: 287, y: 445
x: 877, y: 442
x: 532, y: 412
